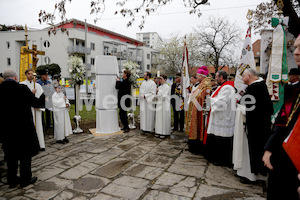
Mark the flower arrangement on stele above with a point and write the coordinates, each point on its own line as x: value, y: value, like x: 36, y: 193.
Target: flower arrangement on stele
x: 133, y: 67
x: 76, y: 70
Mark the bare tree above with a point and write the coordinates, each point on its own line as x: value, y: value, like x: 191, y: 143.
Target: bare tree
x: 123, y: 7
x: 218, y: 40
x: 265, y: 11
x: 170, y: 58
x: 171, y: 53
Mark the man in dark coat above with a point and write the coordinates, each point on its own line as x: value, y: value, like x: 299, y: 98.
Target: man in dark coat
x: 18, y: 134
x: 177, y: 111
x: 282, y: 181
x: 258, y: 119
x: 124, y: 88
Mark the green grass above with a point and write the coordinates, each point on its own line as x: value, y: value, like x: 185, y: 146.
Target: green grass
x: 86, y: 116
x: 90, y: 116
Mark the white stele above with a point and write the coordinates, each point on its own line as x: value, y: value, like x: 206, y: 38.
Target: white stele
x: 106, y: 94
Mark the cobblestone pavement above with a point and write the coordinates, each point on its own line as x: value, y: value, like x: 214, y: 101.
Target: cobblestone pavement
x: 128, y: 166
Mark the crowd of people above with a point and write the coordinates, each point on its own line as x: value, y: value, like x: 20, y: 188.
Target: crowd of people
x: 23, y: 105
x: 227, y: 131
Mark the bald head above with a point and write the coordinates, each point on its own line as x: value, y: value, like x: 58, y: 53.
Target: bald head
x: 297, y: 51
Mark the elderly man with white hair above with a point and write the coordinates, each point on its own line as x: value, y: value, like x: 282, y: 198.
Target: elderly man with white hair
x: 18, y: 134
x: 258, y: 120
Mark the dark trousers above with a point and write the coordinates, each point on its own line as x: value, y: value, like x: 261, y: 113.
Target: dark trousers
x: 219, y: 150
x: 46, y: 118
x: 123, y: 117
x: 12, y: 169
x: 178, y: 119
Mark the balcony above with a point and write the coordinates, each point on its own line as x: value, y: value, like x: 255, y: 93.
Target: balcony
x: 78, y: 50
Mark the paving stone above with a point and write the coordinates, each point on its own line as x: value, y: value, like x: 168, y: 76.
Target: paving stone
x: 208, y: 191
x: 73, y: 149
x: 149, y: 144
x: 98, y: 148
x: 223, y: 176
x: 47, y: 189
x: 79, y: 170
x: 155, y: 195
x: 104, y: 157
x: 104, y: 197
x: 135, y: 153
x: 16, y: 198
x: 123, y: 191
x: 144, y: 171
x: 155, y: 160
x: 89, y: 184
x: 168, y: 179
x: 133, y: 182
x: 80, y: 198
x: 10, y: 193
x: 188, y: 170
x: 64, y: 196
x: 113, y: 168
x: 47, y: 172
x: 186, y: 187
x: 190, y: 159
x: 168, y: 150
x: 71, y: 161
x: 45, y: 160
x: 125, y: 146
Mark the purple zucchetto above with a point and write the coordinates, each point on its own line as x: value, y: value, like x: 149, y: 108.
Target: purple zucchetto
x: 203, y: 70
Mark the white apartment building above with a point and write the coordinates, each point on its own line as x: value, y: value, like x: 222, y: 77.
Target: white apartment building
x: 60, y: 46
x: 151, y: 39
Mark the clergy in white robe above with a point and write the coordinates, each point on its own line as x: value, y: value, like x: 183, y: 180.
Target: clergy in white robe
x: 240, y: 154
x: 221, y: 122
x: 147, y: 93
x: 36, y: 112
x: 163, y: 109
x: 62, y: 123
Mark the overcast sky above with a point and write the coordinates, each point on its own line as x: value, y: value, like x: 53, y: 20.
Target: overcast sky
x: 173, y: 18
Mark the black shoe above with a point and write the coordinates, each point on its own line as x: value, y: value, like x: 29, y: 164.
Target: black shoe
x: 42, y: 149
x: 246, y: 181
x: 126, y: 130
x: 60, y: 141
x: 32, y: 181
x: 181, y: 131
x: 122, y: 129
x: 65, y: 140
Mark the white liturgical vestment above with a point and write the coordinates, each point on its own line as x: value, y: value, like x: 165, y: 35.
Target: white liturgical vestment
x: 240, y: 153
x: 163, y: 110
x: 147, y: 108
x: 37, y: 111
x: 62, y: 123
x: 222, y: 114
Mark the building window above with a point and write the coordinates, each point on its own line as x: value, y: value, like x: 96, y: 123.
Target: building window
x: 92, y: 61
x: 93, y: 46
x: 47, y: 60
x: 106, y: 50
x: 8, y: 45
x: 8, y: 62
x: 148, y: 67
x: 46, y: 44
x: 148, y: 56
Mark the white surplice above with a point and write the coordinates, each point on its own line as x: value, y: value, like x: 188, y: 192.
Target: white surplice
x: 240, y: 153
x: 62, y: 123
x: 222, y: 115
x: 163, y: 110
x: 37, y: 111
x: 147, y: 93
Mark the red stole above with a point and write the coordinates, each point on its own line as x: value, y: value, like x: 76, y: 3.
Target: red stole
x: 214, y: 95
x: 217, y: 91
